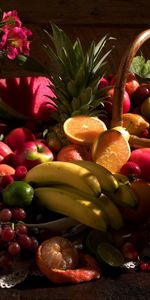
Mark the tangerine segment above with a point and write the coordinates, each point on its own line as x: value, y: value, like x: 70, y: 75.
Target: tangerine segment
x: 57, y: 252
x: 111, y: 150
x: 83, y: 129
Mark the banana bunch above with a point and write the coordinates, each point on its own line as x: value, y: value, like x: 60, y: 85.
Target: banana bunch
x: 82, y: 190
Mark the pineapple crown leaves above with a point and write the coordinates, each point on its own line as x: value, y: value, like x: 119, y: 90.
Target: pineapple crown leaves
x: 77, y: 74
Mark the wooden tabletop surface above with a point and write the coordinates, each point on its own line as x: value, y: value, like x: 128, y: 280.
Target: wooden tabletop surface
x: 129, y: 285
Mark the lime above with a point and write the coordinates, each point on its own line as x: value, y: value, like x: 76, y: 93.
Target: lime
x: 95, y: 237
x: 109, y: 254
x: 18, y: 193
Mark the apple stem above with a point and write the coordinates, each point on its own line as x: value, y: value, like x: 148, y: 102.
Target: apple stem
x: 138, y: 142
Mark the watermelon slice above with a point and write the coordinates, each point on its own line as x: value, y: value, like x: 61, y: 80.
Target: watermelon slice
x: 27, y: 97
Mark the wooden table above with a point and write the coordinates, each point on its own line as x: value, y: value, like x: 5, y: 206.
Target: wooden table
x: 128, y: 285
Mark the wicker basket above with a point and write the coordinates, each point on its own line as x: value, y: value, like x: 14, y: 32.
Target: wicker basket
x: 121, y: 79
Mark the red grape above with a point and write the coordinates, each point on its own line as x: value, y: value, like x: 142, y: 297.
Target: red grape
x: 7, y: 234
x: 21, y: 229
x: 14, y: 248
x: 18, y: 214
x: 24, y: 241
x: 5, y: 215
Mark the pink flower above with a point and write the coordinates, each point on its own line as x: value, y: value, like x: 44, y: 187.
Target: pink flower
x: 11, y: 16
x: 15, y: 41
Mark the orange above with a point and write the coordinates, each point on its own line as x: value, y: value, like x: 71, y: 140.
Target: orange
x: 140, y: 213
x: 111, y: 150
x: 134, y: 123
x: 83, y: 130
x: 58, y: 259
x: 56, y: 255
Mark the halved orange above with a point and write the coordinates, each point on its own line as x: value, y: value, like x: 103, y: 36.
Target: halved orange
x: 134, y: 123
x: 111, y: 150
x: 83, y: 129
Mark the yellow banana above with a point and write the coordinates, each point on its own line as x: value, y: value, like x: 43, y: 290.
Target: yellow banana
x: 112, y: 211
x: 58, y: 172
x: 72, y: 204
x: 124, y: 196
x: 106, y: 179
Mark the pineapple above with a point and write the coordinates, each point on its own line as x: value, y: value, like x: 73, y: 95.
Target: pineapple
x: 76, y: 78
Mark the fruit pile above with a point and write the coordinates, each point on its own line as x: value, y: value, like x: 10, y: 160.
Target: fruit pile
x: 63, y: 158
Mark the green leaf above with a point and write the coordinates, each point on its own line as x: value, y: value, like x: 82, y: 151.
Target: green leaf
x: 30, y: 64
x: 137, y: 65
x: 79, y: 54
x: 146, y: 70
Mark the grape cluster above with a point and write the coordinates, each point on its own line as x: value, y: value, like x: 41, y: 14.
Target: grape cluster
x: 15, y: 237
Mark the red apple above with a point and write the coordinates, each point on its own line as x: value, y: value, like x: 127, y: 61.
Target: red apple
x: 141, y: 157
x: 126, y: 99
x: 31, y: 154
x: 18, y: 136
x: 5, y: 151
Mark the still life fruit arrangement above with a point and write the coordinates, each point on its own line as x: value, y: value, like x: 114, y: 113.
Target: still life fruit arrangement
x: 75, y: 163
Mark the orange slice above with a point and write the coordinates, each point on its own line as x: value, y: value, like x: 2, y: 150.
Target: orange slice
x: 83, y: 129
x: 134, y: 123
x: 111, y: 150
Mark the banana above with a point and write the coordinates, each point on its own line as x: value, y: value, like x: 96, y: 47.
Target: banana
x: 72, y: 204
x: 124, y: 196
x: 59, y: 172
x: 112, y: 211
x: 106, y: 179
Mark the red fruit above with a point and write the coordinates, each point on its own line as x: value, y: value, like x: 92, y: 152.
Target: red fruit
x: 126, y: 100
x: 20, y: 173
x: 141, y: 94
x: 103, y: 83
x: 131, y: 86
x: 129, y: 251
x: 73, y: 152
x: 5, y: 151
x: 18, y: 136
x: 27, y: 96
x: 141, y: 212
x: 14, y: 248
x: 131, y: 168
x: 5, y: 180
x: 142, y: 158
x: 31, y: 154
x: 5, y: 215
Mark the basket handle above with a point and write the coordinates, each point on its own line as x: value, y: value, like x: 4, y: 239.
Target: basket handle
x: 121, y: 77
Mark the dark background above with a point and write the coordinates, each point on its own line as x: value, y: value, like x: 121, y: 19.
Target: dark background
x: 87, y: 19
